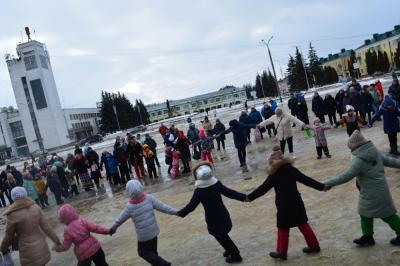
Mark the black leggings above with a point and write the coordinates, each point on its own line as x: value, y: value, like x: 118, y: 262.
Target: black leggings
x: 290, y: 144
x: 124, y: 169
x: 242, y: 155
x: 226, y: 242
x: 332, y: 118
x: 99, y: 259
x: 393, y: 141
x: 325, y: 149
x: 148, y: 251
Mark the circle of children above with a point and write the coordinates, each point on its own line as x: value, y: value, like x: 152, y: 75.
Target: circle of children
x: 26, y: 220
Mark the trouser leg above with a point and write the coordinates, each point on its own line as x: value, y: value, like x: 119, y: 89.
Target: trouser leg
x: 8, y: 195
x: 319, y: 151
x: 116, y: 178
x: 393, y: 141
x: 367, y: 226
x: 290, y: 144
x: 156, y: 159
x: 283, y: 144
x: 3, y: 200
x: 309, y: 235
x: 394, y: 223
x: 218, y: 144
x: 283, y: 241
x: 326, y: 150
x: 74, y: 189
x: 148, y: 251
x: 330, y: 116
x: 223, y: 144
x: 226, y: 242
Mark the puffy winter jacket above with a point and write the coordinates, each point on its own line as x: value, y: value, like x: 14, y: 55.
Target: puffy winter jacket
x: 193, y: 135
x: 318, y: 106
x: 365, y: 102
x: 390, y: 119
x: 255, y: 117
x: 77, y: 231
x: 143, y: 216
x: 283, y: 125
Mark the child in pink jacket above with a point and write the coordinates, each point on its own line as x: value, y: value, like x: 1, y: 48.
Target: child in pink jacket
x: 77, y: 231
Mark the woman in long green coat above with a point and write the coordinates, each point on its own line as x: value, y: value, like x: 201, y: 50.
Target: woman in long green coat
x: 375, y: 200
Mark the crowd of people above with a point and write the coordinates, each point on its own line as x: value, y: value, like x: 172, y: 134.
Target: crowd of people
x: 26, y: 191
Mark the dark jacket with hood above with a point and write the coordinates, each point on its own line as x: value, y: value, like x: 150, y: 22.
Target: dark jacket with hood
x: 219, y: 128
x: 239, y: 136
x: 283, y: 177
x: 390, y: 117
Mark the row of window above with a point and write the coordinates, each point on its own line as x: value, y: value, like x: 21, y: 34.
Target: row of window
x: 83, y: 116
x: 199, y: 103
x: 81, y: 124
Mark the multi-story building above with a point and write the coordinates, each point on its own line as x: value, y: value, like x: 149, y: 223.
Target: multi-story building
x: 202, y: 103
x: 40, y: 123
x: 384, y: 42
x: 340, y: 62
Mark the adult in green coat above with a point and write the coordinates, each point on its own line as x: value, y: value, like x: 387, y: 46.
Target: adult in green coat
x: 375, y: 200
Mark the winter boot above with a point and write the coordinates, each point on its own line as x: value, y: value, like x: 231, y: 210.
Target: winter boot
x: 394, y: 152
x: 276, y: 255
x: 234, y: 259
x: 365, y: 241
x: 395, y: 241
x: 292, y: 155
x: 226, y: 254
x: 328, y: 155
x: 309, y: 250
x: 319, y: 158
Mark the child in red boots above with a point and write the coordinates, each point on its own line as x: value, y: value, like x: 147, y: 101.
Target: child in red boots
x: 283, y: 177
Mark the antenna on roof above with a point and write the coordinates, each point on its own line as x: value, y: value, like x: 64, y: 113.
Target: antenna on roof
x: 28, y: 33
x: 34, y: 32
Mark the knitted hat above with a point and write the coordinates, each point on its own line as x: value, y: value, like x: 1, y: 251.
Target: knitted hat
x: 67, y: 214
x: 134, y: 189
x: 275, y: 155
x: 203, y: 172
x: 356, y: 140
x: 202, y: 133
x: 18, y: 193
x: 388, y: 101
x: 349, y: 108
x: 316, y: 121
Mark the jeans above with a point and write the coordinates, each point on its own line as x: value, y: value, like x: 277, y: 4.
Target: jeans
x: 43, y: 200
x: 116, y: 178
x: 290, y: 145
x: 242, y: 155
x: 148, y: 251
x: 367, y: 224
x: 283, y: 238
x: 139, y: 168
x: 99, y: 259
x: 393, y: 141
x: 319, y: 151
x: 226, y: 242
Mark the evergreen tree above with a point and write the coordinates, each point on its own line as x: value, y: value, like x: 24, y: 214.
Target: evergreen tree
x: 272, y: 88
x: 291, y: 74
x: 300, y: 72
x: 108, y: 120
x: 385, y: 63
x: 371, y: 60
x: 315, y: 68
x: 350, y: 64
x: 397, y: 57
x: 259, y: 87
x: 264, y: 83
x: 248, y: 88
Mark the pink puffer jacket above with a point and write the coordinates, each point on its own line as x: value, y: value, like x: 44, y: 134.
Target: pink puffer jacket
x: 77, y: 232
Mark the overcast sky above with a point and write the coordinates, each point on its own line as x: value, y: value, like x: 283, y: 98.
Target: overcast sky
x: 157, y: 50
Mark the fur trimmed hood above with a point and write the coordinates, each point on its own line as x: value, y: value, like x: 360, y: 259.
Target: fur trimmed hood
x: 277, y: 164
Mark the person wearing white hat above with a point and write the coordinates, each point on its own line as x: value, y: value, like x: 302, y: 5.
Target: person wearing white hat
x: 351, y: 120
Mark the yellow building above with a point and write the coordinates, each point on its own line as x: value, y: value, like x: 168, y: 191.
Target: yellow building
x: 385, y: 42
x: 340, y: 62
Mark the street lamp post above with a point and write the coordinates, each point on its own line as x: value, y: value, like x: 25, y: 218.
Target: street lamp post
x: 116, y: 115
x: 273, y: 68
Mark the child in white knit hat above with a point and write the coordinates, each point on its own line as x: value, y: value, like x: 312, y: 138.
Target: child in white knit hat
x: 140, y: 209
x: 208, y: 192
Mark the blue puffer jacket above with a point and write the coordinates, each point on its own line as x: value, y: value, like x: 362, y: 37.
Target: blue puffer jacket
x: 390, y: 117
x: 238, y: 131
x: 255, y: 117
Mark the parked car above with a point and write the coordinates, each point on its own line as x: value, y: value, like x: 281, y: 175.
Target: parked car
x: 140, y: 128
x: 91, y: 139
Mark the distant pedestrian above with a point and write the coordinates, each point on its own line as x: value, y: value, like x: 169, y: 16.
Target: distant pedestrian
x: 218, y: 129
x: 302, y: 109
x: 318, y: 107
x: 365, y: 103
x: 246, y: 120
x: 330, y: 106
x: 153, y: 146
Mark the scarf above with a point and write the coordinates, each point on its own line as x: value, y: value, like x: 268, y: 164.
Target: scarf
x: 138, y: 200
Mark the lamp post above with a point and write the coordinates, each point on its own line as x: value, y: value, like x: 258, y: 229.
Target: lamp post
x: 273, y: 68
x: 116, y: 115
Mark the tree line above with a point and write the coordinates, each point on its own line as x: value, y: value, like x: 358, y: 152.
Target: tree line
x: 118, y: 113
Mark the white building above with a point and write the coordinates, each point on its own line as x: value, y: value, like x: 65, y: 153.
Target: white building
x: 201, y: 103
x: 40, y: 122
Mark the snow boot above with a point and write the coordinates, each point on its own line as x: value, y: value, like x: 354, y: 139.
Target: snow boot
x: 365, y: 241
x: 395, y: 241
x: 276, y: 255
x: 328, y: 155
x: 226, y: 254
x: 319, y: 158
x: 234, y: 259
x: 394, y: 152
x: 309, y: 250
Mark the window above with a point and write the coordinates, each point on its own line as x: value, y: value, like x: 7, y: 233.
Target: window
x: 205, y: 101
x: 159, y: 113
x: 177, y: 108
x: 23, y: 150
x: 70, y: 117
x: 30, y: 62
x: 43, y: 61
x: 17, y: 130
x: 20, y: 142
x: 38, y: 94
x: 217, y: 99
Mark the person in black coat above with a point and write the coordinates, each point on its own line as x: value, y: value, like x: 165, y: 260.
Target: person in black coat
x: 283, y: 177
x: 245, y: 119
x: 292, y: 103
x: 219, y: 128
x: 339, y: 103
x: 121, y: 156
x: 318, y: 107
x: 302, y: 109
x: 365, y: 103
x: 330, y: 106
x: 267, y: 112
x: 208, y: 192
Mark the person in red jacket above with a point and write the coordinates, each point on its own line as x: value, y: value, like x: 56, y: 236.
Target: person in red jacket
x: 378, y: 85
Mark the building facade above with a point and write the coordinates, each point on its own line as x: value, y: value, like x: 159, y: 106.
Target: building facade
x: 202, y: 103
x: 40, y: 123
x: 340, y: 62
x: 384, y: 42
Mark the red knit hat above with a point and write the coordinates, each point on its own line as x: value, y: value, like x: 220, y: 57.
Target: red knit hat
x: 202, y: 133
